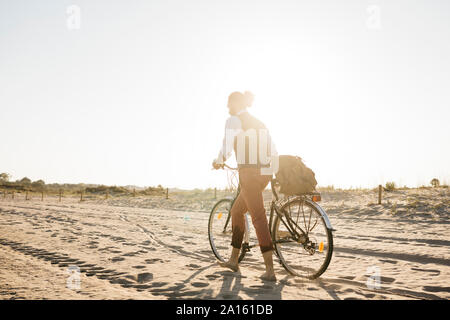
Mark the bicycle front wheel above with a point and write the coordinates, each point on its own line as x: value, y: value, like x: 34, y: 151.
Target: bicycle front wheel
x: 302, y: 240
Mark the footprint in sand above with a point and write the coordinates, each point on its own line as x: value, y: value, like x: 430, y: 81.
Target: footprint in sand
x: 148, y: 248
x: 436, y: 289
x: 116, y: 259
x: 151, y: 261
x: 175, y: 247
x: 389, y: 261
x: 437, y: 272
x: 123, y: 282
x: 144, y: 277
x: 199, y: 284
x: 129, y: 254
x: 387, y: 280
x: 312, y: 289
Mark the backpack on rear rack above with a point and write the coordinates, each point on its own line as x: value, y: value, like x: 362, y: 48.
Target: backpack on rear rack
x: 294, y: 177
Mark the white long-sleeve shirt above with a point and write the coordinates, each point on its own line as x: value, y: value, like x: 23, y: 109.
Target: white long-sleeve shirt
x: 233, y: 127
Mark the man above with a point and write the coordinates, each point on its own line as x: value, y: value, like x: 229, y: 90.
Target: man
x: 254, y: 149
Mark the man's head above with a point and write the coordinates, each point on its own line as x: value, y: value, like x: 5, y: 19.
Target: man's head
x: 238, y: 101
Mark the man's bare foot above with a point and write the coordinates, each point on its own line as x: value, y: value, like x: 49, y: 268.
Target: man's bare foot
x: 232, y: 266
x: 268, y: 276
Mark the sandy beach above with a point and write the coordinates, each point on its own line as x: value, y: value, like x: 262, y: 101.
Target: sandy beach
x: 157, y: 248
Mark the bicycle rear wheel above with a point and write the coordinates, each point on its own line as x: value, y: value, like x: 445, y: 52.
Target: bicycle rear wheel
x: 220, y: 230
x: 307, y: 250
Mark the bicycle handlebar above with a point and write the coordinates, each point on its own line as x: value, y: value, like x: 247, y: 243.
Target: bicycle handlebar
x: 228, y: 167
x: 222, y: 166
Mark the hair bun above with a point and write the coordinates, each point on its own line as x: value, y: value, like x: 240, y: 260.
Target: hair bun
x: 249, y: 97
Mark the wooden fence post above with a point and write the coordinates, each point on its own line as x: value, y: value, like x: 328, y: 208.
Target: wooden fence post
x: 81, y: 196
x: 26, y: 195
x: 4, y: 194
x: 60, y: 195
x: 167, y: 193
x: 134, y: 192
x: 379, y: 193
x: 42, y: 196
x: 13, y: 195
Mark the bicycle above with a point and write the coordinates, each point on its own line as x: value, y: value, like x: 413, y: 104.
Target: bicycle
x: 300, y: 251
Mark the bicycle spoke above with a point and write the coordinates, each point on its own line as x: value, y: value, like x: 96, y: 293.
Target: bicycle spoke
x: 309, y: 220
x: 304, y: 221
x: 315, y: 223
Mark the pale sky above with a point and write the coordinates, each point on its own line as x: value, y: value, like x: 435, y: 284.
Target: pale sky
x: 137, y: 95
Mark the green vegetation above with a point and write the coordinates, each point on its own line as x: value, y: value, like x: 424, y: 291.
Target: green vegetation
x: 435, y: 183
x: 390, y: 186
x: 4, y: 177
x: 25, y: 184
x: 394, y: 208
x: 326, y: 188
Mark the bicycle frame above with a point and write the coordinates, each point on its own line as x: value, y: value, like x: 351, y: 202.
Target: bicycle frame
x: 294, y: 229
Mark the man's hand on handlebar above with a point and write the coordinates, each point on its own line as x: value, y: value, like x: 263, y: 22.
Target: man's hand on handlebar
x: 217, y: 165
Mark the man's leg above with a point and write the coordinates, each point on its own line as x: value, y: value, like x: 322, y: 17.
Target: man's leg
x: 252, y: 194
x: 238, y: 221
x: 238, y: 226
x: 255, y: 205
